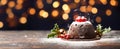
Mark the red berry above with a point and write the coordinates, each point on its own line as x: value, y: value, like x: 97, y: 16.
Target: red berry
x: 83, y: 19
x: 61, y: 36
x: 67, y: 36
x: 80, y: 19
x: 64, y: 36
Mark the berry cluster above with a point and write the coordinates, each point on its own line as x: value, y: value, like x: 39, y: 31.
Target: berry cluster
x: 64, y: 36
x: 80, y: 19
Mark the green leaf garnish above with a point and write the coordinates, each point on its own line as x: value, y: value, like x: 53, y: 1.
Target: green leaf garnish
x: 102, y: 31
x: 106, y: 30
x: 99, y: 28
x: 54, y: 31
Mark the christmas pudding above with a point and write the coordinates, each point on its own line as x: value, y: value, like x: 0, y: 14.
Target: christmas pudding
x: 81, y: 28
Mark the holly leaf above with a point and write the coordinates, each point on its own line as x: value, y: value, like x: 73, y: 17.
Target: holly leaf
x: 51, y: 35
x: 106, y: 30
x: 54, y: 31
x: 100, y: 30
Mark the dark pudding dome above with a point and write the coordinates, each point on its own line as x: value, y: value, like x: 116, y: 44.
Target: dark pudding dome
x: 81, y: 29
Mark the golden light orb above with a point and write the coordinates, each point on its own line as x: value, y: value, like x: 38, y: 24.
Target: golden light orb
x: 83, y: 8
x: 1, y: 24
x: 56, y: 4
x: 20, y: 1
x: 49, y: 1
x: 43, y: 14
x: 113, y: 3
x: 98, y: 19
x: 108, y: 12
x: 104, y: 2
x: 76, y: 1
x: 18, y: 7
x: 32, y: 11
x: 23, y: 20
x: 11, y: 4
x: 55, y: 13
x: 65, y: 7
x: 8, y: 10
x: 67, y: 11
x: 11, y: 15
x: 91, y: 2
x: 40, y: 4
x: 3, y: 2
x: 65, y: 16
x: 94, y: 10
x: 89, y: 8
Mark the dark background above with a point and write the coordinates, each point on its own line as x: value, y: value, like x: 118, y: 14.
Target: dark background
x: 36, y: 23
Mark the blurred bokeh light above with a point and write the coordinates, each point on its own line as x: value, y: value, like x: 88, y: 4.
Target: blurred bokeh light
x: 11, y: 4
x: 108, y: 12
x: 32, y: 11
x: 98, y: 19
x: 40, y: 4
x: 91, y: 2
x: 56, y: 4
x: 104, y: 2
x: 3, y: 2
x: 94, y: 10
x: 1, y: 24
x: 65, y: 16
x: 83, y: 8
x: 23, y: 20
x: 113, y: 3
x: 76, y: 1
x: 55, y: 13
x: 43, y: 14
x: 49, y: 1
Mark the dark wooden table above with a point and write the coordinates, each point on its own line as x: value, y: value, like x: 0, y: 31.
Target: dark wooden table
x: 38, y: 40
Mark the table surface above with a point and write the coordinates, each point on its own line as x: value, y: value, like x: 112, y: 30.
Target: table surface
x: 37, y: 40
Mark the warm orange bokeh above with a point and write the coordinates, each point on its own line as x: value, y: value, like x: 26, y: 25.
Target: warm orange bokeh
x: 32, y: 11
x: 98, y: 19
x: 18, y: 7
x: 108, y: 12
x: 11, y: 4
x: 56, y: 4
x: 49, y: 1
x: 1, y: 24
x: 89, y: 8
x: 3, y: 2
x: 91, y: 2
x: 23, y: 20
x: 104, y: 2
x: 113, y: 3
x: 83, y: 8
x: 39, y: 4
x: 94, y: 10
x: 65, y: 16
x: 76, y: 1
x: 55, y: 13
x: 43, y: 14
